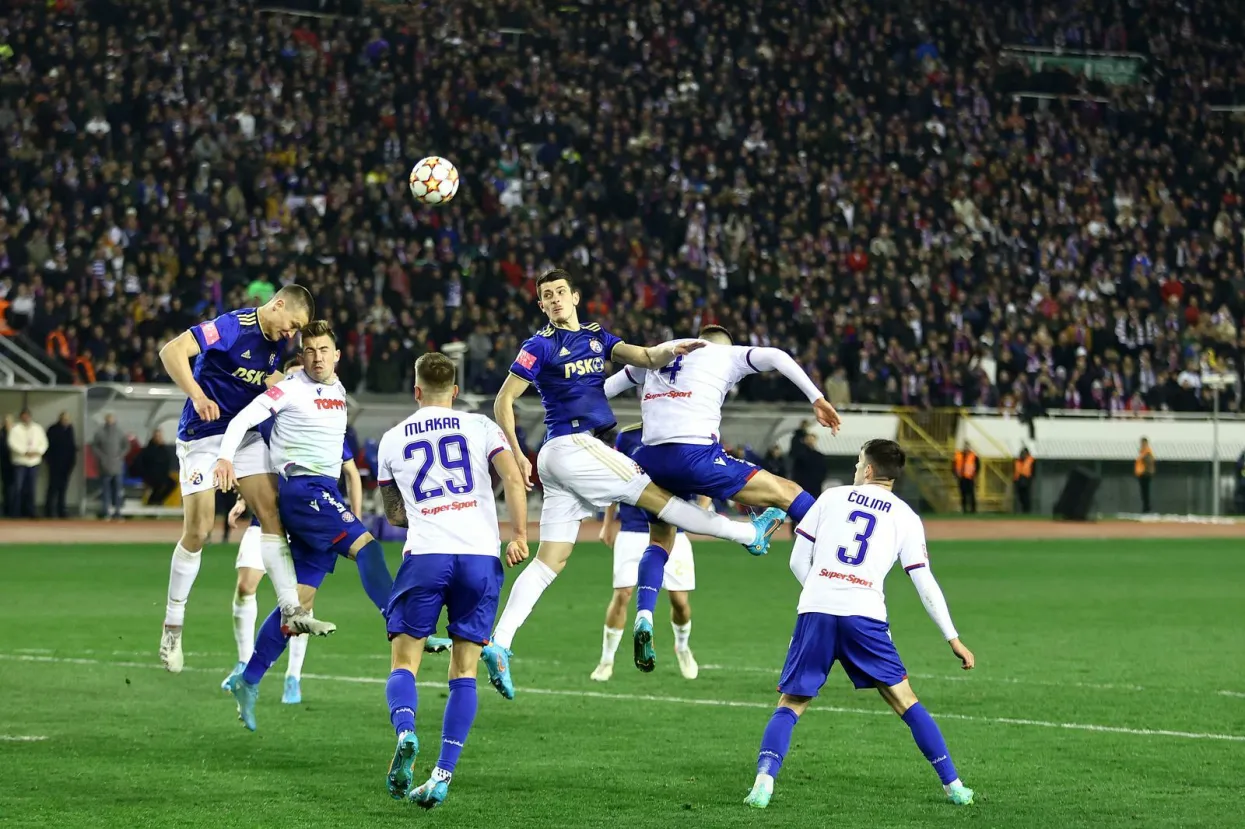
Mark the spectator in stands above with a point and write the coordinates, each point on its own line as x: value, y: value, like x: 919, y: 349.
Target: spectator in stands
x: 27, y: 443
x: 61, y: 457
x: 110, y: 445
x: 8, y: 482
x: 1144, y: 468
x: 156, y: 464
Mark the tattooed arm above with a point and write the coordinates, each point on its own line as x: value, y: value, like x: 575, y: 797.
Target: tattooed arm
x: 395, y: 510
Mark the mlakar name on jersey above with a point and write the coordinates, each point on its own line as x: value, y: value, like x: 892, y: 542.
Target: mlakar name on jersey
x: 432, y: 424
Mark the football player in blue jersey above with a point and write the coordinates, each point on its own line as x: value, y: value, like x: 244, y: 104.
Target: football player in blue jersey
x: 234, y: 360
x: 580, y: 472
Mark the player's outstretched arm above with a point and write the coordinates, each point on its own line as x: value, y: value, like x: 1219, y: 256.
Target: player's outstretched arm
x: 620, y: 381
x: 775, y: 359
x: 255, y: 413
x: 936, y: 606
x: 514, y: 485
x: 654, y: 357
x: 503, y: 413
x: 395, y: 510
x: 175, y: 357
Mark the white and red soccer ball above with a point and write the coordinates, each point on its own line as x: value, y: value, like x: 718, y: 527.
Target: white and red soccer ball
x: 434, y: 180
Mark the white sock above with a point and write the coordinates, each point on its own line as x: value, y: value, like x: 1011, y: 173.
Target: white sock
x: 681, y: 634
x: 687, y: 516
x: 280, y: 566
x: 609, y: 644
x: 523, y: 597
x: 298, y: 652
x: 182, y: 574
x: 646, y: 615
x: 955, y: 782
x: 765, y: 781
x: 244, y: 612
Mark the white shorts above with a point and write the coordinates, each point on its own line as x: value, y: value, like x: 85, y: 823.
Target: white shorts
x: 197, y: 458
x: 581, y: 475
x: 680, y: 569
x: 248, y: 550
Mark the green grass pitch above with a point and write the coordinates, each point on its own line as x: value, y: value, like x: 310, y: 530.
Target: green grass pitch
x: 1084, y: 650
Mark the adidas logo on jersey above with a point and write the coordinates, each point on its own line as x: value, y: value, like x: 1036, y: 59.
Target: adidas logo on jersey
x: 246, y: 355
x: 564, y: 353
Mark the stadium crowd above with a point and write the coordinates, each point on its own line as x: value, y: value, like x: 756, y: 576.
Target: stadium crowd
x: 860, y: 184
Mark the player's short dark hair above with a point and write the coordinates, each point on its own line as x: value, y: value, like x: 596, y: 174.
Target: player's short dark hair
x: 707, y: 330
x: 435, y: 372
x: 319, y: 328
x: 297, y: 298
x: 294, y: 362
x: 886, y: 457
x: 553, y: 276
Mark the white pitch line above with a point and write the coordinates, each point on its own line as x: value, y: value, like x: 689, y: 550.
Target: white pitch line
x: 21, y: 738
x: 716, y: 703
x: 1236, y: 694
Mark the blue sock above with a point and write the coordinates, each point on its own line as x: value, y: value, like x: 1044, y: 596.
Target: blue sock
x: 648, y: 581
x: 800, y: 506
x: 403, y: 700
x: 929, y: 740
x: 270, y: 643
x: 374, y: 574
x: 776, y: 741
x: 460, y: 712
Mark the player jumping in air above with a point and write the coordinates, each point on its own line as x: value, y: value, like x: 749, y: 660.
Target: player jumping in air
x: 235, y: 356
x: 434, y: 480
x: 309, y: 408
x: 844, y: 548
x: 580, y: 472
x: 681, y: 407
x: 626, y: 531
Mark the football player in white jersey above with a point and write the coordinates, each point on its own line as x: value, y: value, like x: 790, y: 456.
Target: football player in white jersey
x: 844, y: 548
x: 681, y: 406
x: 580, y: 472
x: 306, y: 447
x: 433, y: 470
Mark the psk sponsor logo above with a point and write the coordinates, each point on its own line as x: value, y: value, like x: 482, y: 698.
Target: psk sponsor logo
x: 596, y: 346
x: 254, y: 376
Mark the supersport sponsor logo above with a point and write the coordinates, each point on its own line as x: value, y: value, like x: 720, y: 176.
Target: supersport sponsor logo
x: 674, y: 395
x: 847, y: 577
x: 454, y: 507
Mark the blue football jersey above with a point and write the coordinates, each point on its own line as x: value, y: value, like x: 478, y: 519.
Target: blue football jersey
x: 568, y: 370
x: 631, y: 519
x: 234, y: 359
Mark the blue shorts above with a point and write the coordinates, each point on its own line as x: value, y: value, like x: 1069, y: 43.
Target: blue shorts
x: 861, y: 644
x: 320, y: 525
x: 689, y: 469
x: 468, y: 587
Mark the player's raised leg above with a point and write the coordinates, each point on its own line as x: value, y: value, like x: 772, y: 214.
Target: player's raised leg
x: 764, y: 489
x: 270, y: 643
x: 928, y: 738
x: 259, y: 488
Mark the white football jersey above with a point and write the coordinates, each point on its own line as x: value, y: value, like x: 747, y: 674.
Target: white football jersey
x: 439, y: 460
x: 309, y: 425
x: 682, y: 403
x: 857, y: 532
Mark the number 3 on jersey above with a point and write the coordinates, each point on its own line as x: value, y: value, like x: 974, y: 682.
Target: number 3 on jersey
x: 672, y: 371
x: 856, y: 557
x: 459, y: 462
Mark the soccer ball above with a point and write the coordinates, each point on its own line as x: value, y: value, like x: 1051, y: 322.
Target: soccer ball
x: 434, y: 180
